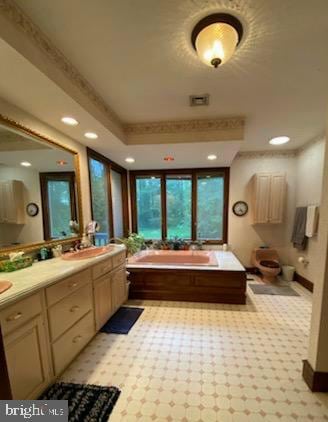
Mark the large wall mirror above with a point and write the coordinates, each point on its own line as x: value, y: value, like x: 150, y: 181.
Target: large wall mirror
x: 39, y: 189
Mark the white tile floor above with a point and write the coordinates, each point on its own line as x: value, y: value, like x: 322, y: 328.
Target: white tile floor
x: 205, y: 362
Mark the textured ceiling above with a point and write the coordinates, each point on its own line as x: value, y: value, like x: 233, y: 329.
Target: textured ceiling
x: 138, y: 57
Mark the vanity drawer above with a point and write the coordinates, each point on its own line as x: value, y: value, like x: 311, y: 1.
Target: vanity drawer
x: 20, y: 312
x: 72, y: 342
x: 63, y: 288
x: 102, y: 268
x: 65, y: 313
x: 119, y: 259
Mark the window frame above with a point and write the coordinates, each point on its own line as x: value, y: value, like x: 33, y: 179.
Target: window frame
x: 111, y: 165
x: 193, y: 172
x: 46, y: 177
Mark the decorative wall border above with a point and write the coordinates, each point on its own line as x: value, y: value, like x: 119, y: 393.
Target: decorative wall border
x: 23, y: 23
x: 266, y: 154
x: 179, y: 126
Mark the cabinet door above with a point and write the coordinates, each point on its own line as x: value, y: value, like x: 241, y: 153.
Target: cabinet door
x: 118, y: 288
x: 277, y: 196
x: 27, y: 360
x: 103, y: 300
x: 262, y: 197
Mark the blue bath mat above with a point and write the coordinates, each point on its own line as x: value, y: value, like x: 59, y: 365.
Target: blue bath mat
x: 122, y: 321
x: 86, y: 402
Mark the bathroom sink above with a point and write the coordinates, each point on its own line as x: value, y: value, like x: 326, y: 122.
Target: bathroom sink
x: 87, y: 253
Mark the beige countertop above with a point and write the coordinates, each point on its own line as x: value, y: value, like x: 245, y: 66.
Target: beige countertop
x: 42, y: 274
x: 227, y: 261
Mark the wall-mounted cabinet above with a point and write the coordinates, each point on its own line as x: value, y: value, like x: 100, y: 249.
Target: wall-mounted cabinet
x: 12, y: 202
x: 268, y: 198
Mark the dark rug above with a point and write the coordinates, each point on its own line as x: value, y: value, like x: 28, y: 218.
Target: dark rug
x: 86, y: 402
x: 264, y: 289
x: 122, y: 321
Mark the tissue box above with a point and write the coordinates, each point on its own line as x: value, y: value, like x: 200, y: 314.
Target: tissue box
x: 17, y: 264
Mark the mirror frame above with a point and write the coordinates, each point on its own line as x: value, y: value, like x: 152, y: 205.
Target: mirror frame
x: 29, y: 247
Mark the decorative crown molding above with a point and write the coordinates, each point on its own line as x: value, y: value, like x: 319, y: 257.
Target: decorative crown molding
x: 23, y: 23
x: 309, y: 144
x: 266, y: 154
x: 179, y: 126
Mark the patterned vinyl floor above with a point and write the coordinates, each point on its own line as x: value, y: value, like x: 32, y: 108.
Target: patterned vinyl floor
x: 207, y: 362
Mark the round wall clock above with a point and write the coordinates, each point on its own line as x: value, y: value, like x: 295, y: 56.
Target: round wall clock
x: 32, y: 209
x: 240, y: 208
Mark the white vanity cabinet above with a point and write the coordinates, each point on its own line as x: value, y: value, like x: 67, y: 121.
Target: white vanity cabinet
x: 268, y: 198
x: 45, y: 331
x: 12, y: 202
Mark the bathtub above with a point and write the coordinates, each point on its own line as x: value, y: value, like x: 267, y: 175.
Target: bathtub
x: 190, y: 276
x: 174, y: 258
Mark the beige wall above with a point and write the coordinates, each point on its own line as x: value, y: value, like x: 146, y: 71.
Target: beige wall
x: 31, y: 122
x: 243, y: 236
x: 309, y: 173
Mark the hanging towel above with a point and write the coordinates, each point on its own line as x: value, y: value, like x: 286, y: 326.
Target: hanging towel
x: 298, y: 237
x: 312, y: 221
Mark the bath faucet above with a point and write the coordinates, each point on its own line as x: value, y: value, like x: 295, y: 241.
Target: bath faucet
x: 115, y: 239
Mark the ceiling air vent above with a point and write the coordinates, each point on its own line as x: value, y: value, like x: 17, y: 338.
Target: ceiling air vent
x: 199, y: 100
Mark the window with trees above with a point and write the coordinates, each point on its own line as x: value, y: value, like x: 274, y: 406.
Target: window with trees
x: 58, y: 203
x: 108, y: 189
x: 190, y: 204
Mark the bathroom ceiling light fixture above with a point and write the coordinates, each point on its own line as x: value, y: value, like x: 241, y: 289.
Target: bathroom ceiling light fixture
x: 216, y: 37
x: 91, y: 135
x: 212, y: 157
x: 279, y: 140
x: 25, y: 164
x: 69, y: 121
x: 61, y: 163
x: 130, y: 160
x: 168, y: 158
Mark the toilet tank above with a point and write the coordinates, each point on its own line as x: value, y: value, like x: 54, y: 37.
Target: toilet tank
x: 264, y: 254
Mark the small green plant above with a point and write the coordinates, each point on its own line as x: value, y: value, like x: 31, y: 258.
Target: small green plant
x: 134, y: 243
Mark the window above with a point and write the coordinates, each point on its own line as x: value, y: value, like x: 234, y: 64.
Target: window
x: 149, y: 214
x: 178, y: 206
x: 189, y: 204
x: 99, y: 199
x: 210, y: 207
x: 117, y: 202
x: 108, y: 187
x: 58, y: 203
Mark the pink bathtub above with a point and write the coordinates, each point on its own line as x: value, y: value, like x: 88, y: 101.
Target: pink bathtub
x: 175, y: 258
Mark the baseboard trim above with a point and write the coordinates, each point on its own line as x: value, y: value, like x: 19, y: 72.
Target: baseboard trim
x: 316, y: 381
x: 304, y: 282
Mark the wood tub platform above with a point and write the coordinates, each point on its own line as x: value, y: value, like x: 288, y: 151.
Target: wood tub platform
x: 159, y: 275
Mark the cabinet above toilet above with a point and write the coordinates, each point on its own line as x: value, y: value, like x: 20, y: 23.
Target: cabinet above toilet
x: 268, y: 198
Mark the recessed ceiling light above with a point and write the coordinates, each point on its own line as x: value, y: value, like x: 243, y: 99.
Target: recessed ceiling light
x: 212, y: 157
x: 69, y: 121
x: 169, y: 158
x: 130, y: 160
x: 61, y: 162
x: 279, y: 140
x: 25, y: 164
x: 91, y: 135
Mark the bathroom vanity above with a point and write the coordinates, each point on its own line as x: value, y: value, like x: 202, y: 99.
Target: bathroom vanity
x: 52, y: 311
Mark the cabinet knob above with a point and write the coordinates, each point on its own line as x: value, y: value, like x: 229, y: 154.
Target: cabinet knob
x: 14, y: 317
x: 74, y: 308
x: 73, y: 285
x: 77, y: 339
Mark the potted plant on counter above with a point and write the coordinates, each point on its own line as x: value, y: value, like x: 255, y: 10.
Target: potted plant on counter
x: 134, y: 243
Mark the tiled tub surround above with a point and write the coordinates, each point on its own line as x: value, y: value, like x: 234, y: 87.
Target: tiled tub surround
x: 52, y: 311
x: 158, y: 275
x: 208, y: 362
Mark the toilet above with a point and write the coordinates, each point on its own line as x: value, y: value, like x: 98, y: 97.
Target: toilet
x: 267, y: 262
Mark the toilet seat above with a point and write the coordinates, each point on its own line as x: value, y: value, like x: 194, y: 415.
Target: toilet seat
x: 269, y: 264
